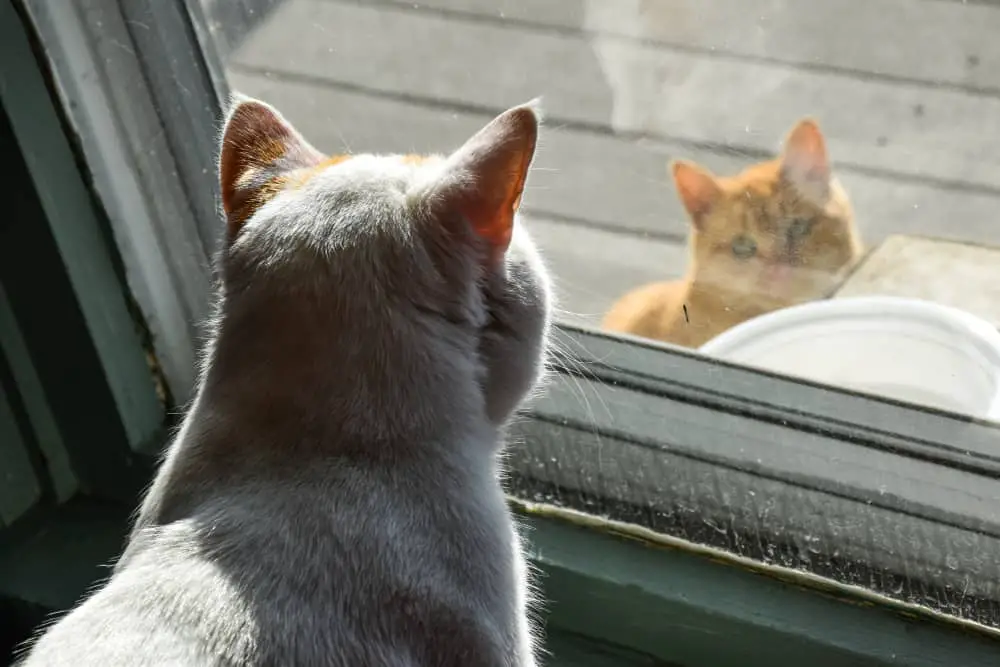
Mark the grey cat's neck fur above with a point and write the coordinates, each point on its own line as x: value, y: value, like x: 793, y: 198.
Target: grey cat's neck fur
x: 332, y: 497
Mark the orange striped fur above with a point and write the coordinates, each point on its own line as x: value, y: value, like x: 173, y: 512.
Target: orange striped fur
x: 781, y: 232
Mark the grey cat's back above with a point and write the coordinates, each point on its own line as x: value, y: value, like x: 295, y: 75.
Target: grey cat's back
x: 333, y: 495
x: 287, y: 600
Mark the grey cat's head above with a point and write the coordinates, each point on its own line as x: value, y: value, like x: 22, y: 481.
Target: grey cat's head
x: 390, y: 295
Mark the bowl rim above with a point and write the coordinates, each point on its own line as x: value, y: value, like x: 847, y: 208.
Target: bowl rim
x: 974, y: 330
x: 948, y: 319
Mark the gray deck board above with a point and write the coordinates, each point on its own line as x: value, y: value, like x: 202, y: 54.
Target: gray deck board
x: 908, y: 106
x: 874, y: 38
x: 904, y: 128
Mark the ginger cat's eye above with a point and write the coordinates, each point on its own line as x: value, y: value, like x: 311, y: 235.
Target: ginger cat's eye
x: 744, y: 247
x: 799, y: 228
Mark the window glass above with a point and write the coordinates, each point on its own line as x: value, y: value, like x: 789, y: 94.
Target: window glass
x: 706, y: 166
x: 809, y: 187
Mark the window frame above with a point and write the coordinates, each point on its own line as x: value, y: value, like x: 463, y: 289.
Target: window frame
x: 87, y: 430
x: 111, y: 82
x: 797, y: 421
x: 674, y: 601
x: 140, y: 143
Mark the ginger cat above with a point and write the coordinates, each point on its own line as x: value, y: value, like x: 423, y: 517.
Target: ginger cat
x: 780, y: 233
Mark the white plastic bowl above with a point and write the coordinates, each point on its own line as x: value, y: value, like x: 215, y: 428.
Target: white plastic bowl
x: 907, y: 349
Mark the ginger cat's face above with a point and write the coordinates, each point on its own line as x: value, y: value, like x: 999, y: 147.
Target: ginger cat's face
x: 779, y: 233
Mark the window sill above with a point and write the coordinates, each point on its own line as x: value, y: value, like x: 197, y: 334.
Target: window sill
x: 692, y: 605
x: 612, y: 597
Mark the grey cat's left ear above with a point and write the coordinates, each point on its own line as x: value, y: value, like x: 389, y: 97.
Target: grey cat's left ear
x: 484, y: 179
x: 259, y: 147
x: 804, y: 161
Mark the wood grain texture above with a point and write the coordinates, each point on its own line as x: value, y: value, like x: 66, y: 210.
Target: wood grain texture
x: 953, y: 274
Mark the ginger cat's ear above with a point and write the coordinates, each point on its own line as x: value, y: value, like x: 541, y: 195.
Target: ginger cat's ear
x: 697, y: 188
x: 483, y: 180
x: 258, y: 147
x: 804, y: 160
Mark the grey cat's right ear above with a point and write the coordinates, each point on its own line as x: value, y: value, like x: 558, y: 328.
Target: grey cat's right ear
x: 484, y: 179
x: 259, y: 147
x: 696, y: 187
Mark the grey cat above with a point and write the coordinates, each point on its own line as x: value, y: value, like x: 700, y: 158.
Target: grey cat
x: 332, y: 497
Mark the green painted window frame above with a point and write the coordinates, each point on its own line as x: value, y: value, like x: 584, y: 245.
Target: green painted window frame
x: 661, y: 443
x: 68, y: 330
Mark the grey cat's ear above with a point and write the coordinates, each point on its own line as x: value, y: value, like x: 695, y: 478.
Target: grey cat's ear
x: 696, y: 187
x: 804, y: 160
x: 259, y: 147
x: 484, y: 179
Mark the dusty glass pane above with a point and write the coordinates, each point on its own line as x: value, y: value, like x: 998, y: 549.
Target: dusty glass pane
x: 705, y: 164
x: 808, y: 186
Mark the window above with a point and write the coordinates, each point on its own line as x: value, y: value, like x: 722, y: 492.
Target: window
x: 795, y: 504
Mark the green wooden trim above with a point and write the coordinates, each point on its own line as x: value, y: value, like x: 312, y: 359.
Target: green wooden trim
x: 685, y: 607
x: 30, y: 388
x: 121, y: 100
x: 165, y: 34
x: 42, y: 302
x: 77, y: 232
x: 19, y: 487
x: 884, y: 424
x: 85, y: 367
x: 568, y: 649
x: 52, y: 565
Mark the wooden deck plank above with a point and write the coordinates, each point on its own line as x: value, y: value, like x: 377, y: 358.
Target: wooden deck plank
x: 943, y: 43
x: 903, y: 128
x: 606, y: 181
x: 959, y: 275
x: 591, y: 268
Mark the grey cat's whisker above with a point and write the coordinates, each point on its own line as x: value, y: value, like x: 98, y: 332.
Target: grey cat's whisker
x: 578, y: 368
